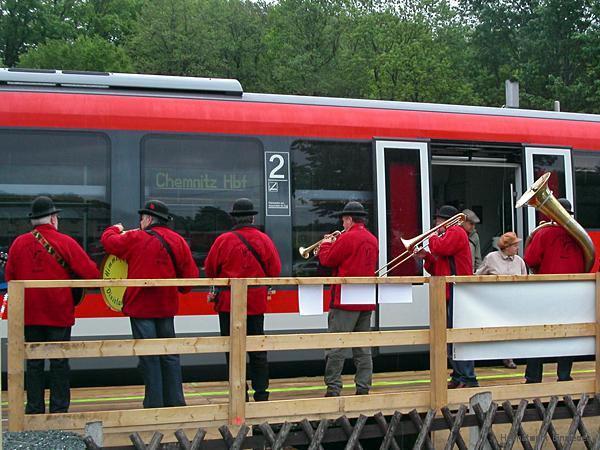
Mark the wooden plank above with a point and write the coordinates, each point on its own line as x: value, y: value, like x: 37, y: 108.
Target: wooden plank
x: 597, y: 376
x: 341, y: 340
x: 16, y: 356
x: 142, y: 282
x: 237, y: 352
x: 127, y: 347
x: 521, y: 278
x: 519, y: 391
x: 524, y: 332
x: 437, y: 338
x: 202, y: 415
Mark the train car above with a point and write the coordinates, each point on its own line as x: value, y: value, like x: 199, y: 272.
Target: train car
x: 102, y: 144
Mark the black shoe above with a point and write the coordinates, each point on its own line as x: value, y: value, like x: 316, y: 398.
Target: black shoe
x: 454, y: 384
x: 362, y: 392
x: 331, y: 393
x: 471, y: 384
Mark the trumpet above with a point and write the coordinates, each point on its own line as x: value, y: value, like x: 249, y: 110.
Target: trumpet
x: 314, y: 248
x: 416, y: 244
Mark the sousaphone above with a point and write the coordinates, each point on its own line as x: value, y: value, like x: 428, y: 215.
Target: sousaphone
x: 114, y: 268
x: 540, y: 197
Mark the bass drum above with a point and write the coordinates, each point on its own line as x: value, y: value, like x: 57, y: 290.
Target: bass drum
x: 114, y: 268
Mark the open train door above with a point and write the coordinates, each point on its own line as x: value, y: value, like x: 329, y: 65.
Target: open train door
x: 557, y: 161
x: 403, y: 211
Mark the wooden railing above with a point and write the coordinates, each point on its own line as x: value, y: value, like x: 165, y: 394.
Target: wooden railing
x: 236, y: 411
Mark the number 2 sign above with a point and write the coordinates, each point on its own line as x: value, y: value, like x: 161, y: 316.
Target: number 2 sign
x: 277, y: 183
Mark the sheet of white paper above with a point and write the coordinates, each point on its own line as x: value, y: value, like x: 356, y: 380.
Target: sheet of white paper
x: 358, y: 294
x: 310, y: 299
x: 520, y: 304
x: 394, y: 293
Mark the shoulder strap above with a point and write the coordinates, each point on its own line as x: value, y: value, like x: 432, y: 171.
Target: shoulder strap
x: 249, y: 247
x: 59, y: 259
x: 167, y: 248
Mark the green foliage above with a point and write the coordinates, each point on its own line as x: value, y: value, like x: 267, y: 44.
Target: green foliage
x: 85, y: 53
x: 442, y: 51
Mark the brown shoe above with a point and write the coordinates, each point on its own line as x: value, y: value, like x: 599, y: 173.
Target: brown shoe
x: 509, y: 364
x: 453, y: 384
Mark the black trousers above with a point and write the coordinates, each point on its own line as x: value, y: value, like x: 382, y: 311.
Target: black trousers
x: 60, y: 394
x: 259, y: 367
x: 535, y: 368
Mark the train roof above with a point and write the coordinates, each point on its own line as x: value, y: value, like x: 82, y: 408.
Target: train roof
x: 196, y: 87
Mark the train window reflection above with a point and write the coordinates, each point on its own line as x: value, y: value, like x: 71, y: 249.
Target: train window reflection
x: 587, y: 184
x: 326, y: 175
x: 72, y: 168
x: 199, y: 178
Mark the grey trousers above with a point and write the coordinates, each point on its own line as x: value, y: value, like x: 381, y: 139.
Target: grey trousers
x: 338, y: 321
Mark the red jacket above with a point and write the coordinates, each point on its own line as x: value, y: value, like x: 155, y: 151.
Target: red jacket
x: 553, y: 250
x: 230, y: 258
x: 452, y: 245
x: 148, y: 258
x: 29, y: 260
x: 353, y: 254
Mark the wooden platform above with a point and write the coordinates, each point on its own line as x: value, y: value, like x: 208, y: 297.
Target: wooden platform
x: 130, y: 397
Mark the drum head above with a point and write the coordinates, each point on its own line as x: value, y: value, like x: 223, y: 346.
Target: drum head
x: 114, y: 268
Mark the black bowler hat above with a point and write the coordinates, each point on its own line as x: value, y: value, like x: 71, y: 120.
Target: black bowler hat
x: 566, y: 204
x: 156, y: 208
x: 446, y: 211
x: 352, y: 209
x: 41, y: 207
x: 243, y: 207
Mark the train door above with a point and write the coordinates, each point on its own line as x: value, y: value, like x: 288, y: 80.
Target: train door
x: 488, y: 188
x: 402, y: 174
x: 557, y: 161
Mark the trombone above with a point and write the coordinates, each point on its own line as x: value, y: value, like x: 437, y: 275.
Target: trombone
x: 314, y: 248
x: 416, y: 244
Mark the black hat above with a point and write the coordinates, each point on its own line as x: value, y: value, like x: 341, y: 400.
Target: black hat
x: 243, y: 207
x: 566, y: 204
x: 352, y: 209
x: 446, y: 211
x: 156, y: 208
x: 41, y: 207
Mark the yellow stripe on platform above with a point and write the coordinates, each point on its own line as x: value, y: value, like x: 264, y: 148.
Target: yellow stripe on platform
x: 306, y: 388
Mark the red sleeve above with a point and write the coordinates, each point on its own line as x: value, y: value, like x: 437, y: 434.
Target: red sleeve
x: 447, y: 245
x: 187, y: 267
x: 332, y: 254
x: 9, y: 270
x: 211, y: 263
x: 534, y: 252
x: 429, y: 263
x: 80, y: 263
x: 116, y: 243
x: 273, y: 261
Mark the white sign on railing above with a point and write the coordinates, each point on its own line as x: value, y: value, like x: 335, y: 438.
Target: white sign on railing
x: 483, y: 305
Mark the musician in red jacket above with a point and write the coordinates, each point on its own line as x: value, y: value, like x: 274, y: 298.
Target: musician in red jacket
x: 353, y: 254
x: 245, y: 252
x: 154, y: 251
x: 553, y: 250
x: 49, y: 313
x: 450, y: 254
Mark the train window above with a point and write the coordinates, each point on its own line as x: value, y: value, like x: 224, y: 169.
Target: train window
x: 326, y: 175
x: 555, y: 164
x: 587, y: 184
x: 70, y: 167
x: 199, y: 178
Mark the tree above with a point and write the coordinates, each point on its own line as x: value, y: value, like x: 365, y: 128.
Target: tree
x: 84, y: 53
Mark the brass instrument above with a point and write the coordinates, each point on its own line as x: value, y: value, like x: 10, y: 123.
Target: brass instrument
x: 540, y: 197
x: 314, y: 248
x: 414, y: 245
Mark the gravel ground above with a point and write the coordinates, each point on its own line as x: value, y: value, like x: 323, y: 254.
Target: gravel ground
x: 46, y: 440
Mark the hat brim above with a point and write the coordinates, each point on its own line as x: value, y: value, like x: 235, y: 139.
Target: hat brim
x: 44, y: 214
x: 250, y: 212
x: 348, y: 213
x: 155, y: 214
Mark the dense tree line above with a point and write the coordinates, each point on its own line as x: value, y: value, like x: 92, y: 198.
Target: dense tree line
x: 437, y: 51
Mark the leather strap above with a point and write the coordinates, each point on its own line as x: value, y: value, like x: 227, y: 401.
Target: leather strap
x: 249, y: 247
x: 167, y: 248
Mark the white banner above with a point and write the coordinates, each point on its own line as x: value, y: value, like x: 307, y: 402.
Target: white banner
x: 486, y: 305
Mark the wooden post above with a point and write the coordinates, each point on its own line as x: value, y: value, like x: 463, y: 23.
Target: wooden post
x: 237, y: 352
x: 16, y: 356
x: 437, y: 342
x: 597, y: 375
